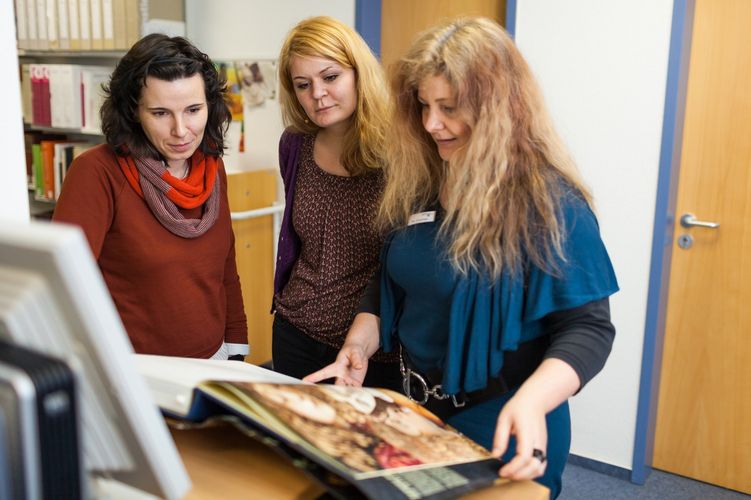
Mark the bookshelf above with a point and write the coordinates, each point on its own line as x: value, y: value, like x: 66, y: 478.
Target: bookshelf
x: 94, y: 25
x: 61, y: 96
x: 66, y: 51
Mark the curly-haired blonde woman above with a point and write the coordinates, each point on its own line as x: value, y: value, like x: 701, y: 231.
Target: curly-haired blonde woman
x: 494, y: 282
x: 335, y: 103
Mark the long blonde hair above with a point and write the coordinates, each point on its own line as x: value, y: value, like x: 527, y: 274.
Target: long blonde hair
x: 503, y: 188
x: 329, y: 38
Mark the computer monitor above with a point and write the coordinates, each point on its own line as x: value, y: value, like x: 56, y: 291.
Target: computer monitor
x: 53, y: 299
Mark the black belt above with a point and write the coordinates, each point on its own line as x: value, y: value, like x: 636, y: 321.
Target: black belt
x: 420, y: 388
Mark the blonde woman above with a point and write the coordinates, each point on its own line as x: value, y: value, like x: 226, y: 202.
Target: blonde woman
x: 494, y: 282
x: 335, y: 103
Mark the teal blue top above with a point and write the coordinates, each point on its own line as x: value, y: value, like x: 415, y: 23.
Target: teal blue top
x: 463, y: 325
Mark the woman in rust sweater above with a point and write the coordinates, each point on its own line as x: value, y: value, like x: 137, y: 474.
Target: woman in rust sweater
x: 153, y: 203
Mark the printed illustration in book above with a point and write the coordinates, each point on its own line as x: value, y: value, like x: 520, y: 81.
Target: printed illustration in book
x: 378, y: 441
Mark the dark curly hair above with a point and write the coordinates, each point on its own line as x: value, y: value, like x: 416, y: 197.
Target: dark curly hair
x: 165, y: 58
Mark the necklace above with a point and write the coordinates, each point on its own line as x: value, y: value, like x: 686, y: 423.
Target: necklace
x: 181, y: 175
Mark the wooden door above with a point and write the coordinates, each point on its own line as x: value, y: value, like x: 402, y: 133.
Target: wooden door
x: 402, y: 20
x: 704, y: 410
x: 254, y: 252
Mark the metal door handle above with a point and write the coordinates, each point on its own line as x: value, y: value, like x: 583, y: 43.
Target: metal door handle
x: 689, y: 220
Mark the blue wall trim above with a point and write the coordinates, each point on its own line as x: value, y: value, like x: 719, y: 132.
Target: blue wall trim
x: 511, y: 17
x: 662, y: 237
x: 368, y: 23
x: 601, y: 467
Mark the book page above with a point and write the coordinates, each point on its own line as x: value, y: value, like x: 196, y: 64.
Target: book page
x: 362, y: 432
x: 171, y: 380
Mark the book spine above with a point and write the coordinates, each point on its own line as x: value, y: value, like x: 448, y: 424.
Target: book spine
x: 45, y: 97
x: 56, y: 86
x: 27, y: 95
x: 28, y: 139
x: 36, y: 153
x: 92, y: 79
x: 53, y: 40
x: 97, y: 43
x: 35, y: 76
x: 84, y: 15
x: 119, y: 22
x: 108, y: 26
x: 41, y: 17
x: 22, y: 30
x: 31, y: 24
x: 75, y: 25
x: 57, y: 166
x: 63, y: 24
x: 132, y: 22
x: 48, y: 170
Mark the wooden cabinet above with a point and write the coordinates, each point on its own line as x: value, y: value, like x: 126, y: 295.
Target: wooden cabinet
x: 254, y: 247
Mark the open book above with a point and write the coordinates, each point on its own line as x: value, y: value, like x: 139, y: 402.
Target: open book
x: 356, y: 441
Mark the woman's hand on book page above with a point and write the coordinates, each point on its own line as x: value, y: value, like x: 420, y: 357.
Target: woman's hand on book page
x: 351, y: 363
x: 552, y: 383
x: 350, y: 367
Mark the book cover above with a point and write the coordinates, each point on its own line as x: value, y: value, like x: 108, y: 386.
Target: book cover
x: 376, y: 442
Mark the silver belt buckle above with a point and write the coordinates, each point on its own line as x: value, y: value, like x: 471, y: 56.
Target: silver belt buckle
x: 407, y: 386
x: 436, y: 391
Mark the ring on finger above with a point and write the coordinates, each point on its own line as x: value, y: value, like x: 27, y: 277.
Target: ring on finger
x: 539, y: 455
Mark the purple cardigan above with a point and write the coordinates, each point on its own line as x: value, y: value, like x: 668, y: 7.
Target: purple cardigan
x: 288, y: 249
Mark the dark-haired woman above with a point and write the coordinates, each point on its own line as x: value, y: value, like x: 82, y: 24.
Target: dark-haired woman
x: 153, y: 203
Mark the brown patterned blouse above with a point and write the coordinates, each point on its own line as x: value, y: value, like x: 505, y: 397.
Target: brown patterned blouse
x: 333, y: 216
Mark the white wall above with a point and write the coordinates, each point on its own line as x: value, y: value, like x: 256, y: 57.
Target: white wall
x: 254, y: 29
x: 14, y: 200
x: 603, y: 69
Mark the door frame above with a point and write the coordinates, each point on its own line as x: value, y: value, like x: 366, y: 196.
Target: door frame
x: 662, y: 237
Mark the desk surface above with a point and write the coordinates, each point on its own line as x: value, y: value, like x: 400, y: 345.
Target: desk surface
x: 223, y: 463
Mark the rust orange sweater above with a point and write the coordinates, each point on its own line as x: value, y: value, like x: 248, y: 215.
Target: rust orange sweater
x: 176, y: 296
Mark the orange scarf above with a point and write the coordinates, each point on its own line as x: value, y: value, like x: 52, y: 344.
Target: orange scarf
x: 164, y: 193
x: 191, y: 192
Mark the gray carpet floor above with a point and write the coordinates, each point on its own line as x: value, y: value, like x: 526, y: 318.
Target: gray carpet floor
x: 585, y: 484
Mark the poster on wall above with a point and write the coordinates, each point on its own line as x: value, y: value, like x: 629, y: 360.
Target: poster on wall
x: 250, y: 83
x: 228, y: 72
x: 257, y: 81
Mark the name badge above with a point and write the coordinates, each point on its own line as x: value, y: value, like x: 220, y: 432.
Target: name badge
x: 421, y: 218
